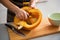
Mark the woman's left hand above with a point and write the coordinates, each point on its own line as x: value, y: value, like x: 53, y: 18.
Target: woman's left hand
x: 33, y: 4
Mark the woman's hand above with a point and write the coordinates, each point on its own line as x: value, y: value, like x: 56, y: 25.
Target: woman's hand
x: 23, y: 15
x: 33, y: 6
x: 33, y: 3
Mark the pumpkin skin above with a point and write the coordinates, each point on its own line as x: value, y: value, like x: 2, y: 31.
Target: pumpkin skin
x: 34, y: 18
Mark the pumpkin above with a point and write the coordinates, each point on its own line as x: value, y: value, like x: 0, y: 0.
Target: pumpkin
x: 26, y: 3
x: 35, y: 17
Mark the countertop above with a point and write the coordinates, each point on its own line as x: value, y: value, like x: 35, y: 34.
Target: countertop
x: 4, y: 35
x: 51, y: 6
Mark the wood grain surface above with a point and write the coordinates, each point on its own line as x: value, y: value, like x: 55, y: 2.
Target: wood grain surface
x: 45, y: 28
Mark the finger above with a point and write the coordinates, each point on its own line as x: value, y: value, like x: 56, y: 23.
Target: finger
x: 25, y: 15
x: 19, y: 16
x: 34, y: 7
x: 22, y: 16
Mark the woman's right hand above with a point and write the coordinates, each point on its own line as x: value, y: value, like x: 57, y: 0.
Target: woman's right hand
x: 20, y: 13
x: 23, y: 15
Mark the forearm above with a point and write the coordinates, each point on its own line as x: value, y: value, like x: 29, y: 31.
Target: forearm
x: 10, y: 5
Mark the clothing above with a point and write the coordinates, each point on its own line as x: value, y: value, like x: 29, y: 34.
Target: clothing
x: 22, y: 0
x: 10, y: 14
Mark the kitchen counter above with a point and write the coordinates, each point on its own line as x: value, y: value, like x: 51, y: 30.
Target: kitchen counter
x: 4, y: 35
x: 3, y: 32
x: 51, y: 6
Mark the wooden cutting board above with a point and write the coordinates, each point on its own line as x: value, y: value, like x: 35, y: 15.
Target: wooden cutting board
x: 45, y: 28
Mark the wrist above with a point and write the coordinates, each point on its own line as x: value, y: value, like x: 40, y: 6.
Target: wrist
x: 17, y: 10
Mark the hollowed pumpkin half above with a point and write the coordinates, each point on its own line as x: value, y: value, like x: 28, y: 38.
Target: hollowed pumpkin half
x: 35, y: 17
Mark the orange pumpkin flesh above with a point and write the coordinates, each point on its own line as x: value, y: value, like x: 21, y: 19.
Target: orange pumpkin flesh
x: 34, y: 19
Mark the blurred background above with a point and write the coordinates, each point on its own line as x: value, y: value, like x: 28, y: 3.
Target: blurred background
x: 3, y: 14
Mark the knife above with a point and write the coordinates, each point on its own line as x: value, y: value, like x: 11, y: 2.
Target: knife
x: 15, y: 30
